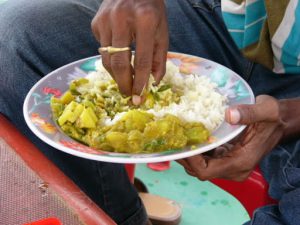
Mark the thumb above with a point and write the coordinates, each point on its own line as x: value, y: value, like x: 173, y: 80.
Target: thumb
x: 266, y: 109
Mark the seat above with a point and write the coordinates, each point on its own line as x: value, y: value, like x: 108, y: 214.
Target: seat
x: 252, y: 193
x: 33, y: 188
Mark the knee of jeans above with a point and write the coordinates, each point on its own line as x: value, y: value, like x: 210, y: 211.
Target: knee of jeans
x: 24, y: 23
x: 21, y: 21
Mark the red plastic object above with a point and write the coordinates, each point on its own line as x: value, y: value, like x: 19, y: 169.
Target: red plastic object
x: 252, y: 193
x: 49, y: 221
x: 130, y: 168
x: 160, y: 166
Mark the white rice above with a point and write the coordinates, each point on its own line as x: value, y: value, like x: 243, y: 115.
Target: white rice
x: 200, y: 101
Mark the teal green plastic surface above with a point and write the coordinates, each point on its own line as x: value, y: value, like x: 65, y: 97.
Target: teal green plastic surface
x: 2, y: 1
x: 202, y: 203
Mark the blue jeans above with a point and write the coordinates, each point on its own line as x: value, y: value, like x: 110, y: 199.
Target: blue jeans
x: 38, y: 36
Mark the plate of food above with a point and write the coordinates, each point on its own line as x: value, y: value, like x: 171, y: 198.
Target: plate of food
x: 78, y: 109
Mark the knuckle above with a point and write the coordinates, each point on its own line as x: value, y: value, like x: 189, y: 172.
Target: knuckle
x: 118, y: 63
x: 104, y: 14
x: 94, y: 25
x: 263, y: 98
x: 248, y: 113
x: 143, y: 63
x: 147, y: 12
x: 273, y: 106
x: 276, y: 109
x: 98, y: 22
x: 122, y: 7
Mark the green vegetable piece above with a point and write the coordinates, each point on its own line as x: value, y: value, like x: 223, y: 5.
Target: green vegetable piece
x: 88, y: 103
x: 156, y: 96
x: 76, y: 83
x: 67, y: 97
x: 164, y: 88
x: 57, y: 107
x: 149, y: 103
x: 154, y: 144
x: 73, y: 131
x: 54, y: 100
x: 73, y: 88
x: 81, y: 81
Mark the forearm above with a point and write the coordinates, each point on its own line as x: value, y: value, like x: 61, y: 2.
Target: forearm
x: 290, y: 111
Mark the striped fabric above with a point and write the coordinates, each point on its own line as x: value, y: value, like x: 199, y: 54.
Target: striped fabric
x: 267, y: 31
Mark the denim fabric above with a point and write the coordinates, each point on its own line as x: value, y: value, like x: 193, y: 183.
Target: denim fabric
x: 38, y: 36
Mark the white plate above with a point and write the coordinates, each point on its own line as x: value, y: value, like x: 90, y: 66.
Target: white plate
x: 38, y: 114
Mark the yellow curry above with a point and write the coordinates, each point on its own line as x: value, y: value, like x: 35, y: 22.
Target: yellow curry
x: 81, y: 117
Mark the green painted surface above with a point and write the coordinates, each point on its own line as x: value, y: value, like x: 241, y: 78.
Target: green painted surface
x: 202, y: 203
x: 2, y: 1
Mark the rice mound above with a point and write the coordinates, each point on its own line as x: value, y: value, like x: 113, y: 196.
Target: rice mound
x: 199, y: 100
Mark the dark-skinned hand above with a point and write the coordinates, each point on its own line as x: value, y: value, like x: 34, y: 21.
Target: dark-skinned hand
x: 120, y: 23
x: 236, y: 160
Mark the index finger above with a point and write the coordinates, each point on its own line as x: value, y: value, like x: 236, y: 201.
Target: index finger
x: 120, y: 61
x: 145, y: 36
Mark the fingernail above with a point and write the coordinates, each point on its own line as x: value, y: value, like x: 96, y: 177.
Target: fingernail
x: 136, y: 100
x: 234, y: 116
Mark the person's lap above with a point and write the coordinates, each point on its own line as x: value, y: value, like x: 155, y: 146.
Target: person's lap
x: 41, y: 41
